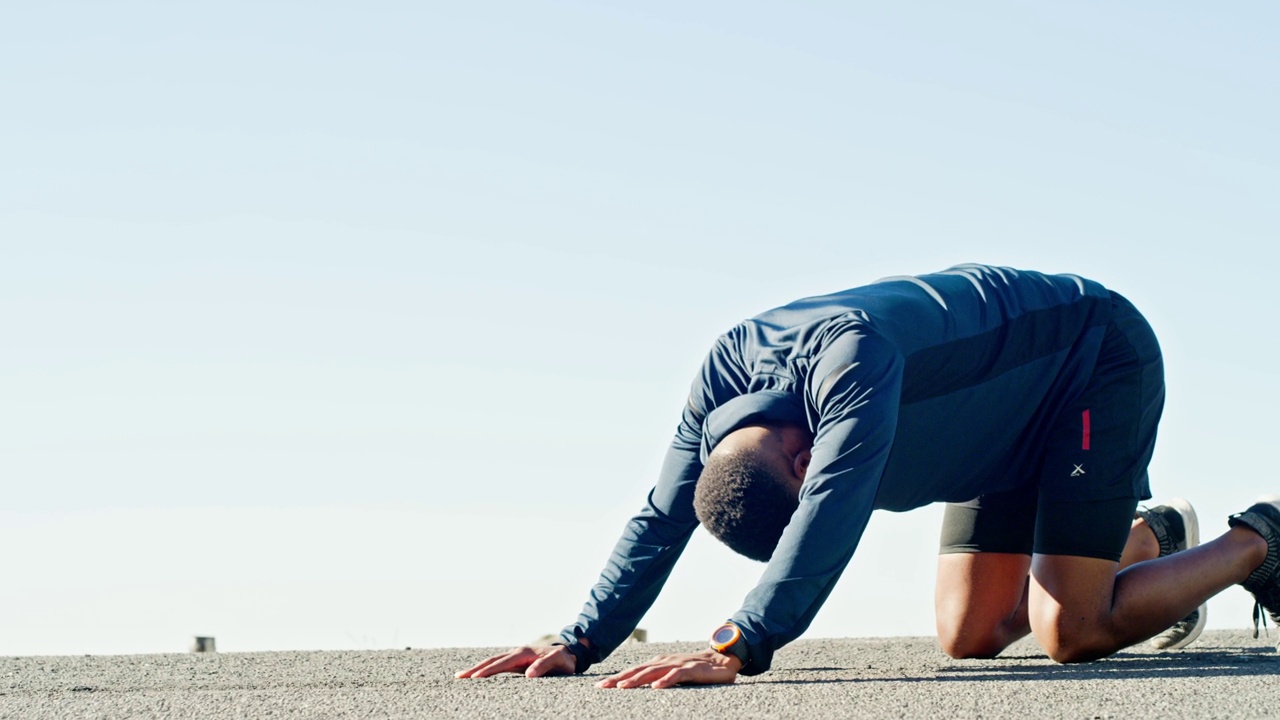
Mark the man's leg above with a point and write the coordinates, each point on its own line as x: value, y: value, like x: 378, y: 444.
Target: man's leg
x: 1080, y: 609
x: 1174, y: 527
x: 981, y: 602
x: 1081, y: 605
x: 1141, y: 545
x: 980, y: 598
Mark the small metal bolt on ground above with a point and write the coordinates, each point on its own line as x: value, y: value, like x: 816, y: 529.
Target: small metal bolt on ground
x: 203, y: 644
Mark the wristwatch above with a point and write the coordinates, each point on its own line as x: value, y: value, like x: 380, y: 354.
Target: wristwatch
x: 728, y: 640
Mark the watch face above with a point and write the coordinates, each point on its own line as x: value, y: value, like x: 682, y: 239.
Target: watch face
x: 725, y: 635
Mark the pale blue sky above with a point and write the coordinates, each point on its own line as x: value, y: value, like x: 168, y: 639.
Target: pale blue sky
x: 328, y: 326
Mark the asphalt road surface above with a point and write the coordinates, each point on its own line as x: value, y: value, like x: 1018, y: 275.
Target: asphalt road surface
x: 1225, y: 674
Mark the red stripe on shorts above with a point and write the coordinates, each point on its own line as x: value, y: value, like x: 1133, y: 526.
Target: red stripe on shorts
x: 1084, y: 440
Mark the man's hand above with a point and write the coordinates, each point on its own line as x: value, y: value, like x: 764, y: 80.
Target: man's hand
x: 532, y: 661
x: 701, y: 668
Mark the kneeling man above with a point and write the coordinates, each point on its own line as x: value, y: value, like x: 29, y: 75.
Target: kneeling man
x: 1028, y: 401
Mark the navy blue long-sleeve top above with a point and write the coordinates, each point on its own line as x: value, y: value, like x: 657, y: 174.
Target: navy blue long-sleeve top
x: 917, y: 390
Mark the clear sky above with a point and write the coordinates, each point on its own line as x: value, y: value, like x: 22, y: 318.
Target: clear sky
x: 333, y: 325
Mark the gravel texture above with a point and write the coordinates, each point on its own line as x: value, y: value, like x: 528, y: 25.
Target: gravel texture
x: 1224, y: 674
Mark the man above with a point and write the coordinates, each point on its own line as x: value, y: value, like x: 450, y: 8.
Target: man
x: 1029, y: 401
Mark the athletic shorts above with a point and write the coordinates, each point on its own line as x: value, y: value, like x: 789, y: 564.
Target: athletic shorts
x: 1094, y: 468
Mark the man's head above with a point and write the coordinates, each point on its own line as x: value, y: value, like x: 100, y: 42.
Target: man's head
x: 750, y: 486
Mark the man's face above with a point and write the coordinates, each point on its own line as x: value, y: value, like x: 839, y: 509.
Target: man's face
x: 785, y: 448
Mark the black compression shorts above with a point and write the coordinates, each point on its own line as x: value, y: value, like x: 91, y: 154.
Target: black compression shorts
x: 1094, y: 468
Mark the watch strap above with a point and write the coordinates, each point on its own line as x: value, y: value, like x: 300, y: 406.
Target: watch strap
x: 737, y: 648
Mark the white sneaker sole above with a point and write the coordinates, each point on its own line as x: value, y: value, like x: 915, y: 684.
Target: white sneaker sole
x: 1191, y: 526
x: 1190, y: 522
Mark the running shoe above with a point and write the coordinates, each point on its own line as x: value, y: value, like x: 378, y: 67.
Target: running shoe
x: 1176, y: 529
x: 1263, y: 517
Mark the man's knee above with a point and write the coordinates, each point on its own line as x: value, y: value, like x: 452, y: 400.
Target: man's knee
x: 970, y: 645
x: 980, y: 602
x: 1073, y: 648
x: 1068, y: 637
x: 1070, y: 607
x: 965, y: 638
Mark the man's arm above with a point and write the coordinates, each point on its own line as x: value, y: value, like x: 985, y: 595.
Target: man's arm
x: 857, y: 418
x: 651, y: 542
x: 642, y: 559
x: 636, y: 570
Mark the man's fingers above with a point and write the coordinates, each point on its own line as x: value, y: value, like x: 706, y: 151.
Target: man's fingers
x: 613, y: 680
x: 471, y: 671
x: 645, y: 676
x: 671, y: 679
x: 533, y: 662
x: 669, y: 671
x: 696, y: 674
x: 507, y: 662
x: 491, y: 667
x: 661, y: 672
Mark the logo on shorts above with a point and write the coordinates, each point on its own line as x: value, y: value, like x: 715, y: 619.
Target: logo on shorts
x: 1079, y: 470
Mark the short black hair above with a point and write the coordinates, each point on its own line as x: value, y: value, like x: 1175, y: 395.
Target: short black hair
x: 744, y: 503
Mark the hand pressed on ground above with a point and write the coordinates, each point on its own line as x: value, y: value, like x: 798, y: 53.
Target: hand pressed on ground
x: 701, y: 668
x: 532, y: 661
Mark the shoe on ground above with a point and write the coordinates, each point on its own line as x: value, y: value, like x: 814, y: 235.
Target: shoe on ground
x: 1176, y: 529
x: 1263, y: 517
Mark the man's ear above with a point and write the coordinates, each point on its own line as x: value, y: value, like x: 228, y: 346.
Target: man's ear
x: 801, y: 464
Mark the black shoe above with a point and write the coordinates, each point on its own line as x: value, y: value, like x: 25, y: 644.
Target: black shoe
x: 1176, y: 528
x: 1263, y: 517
